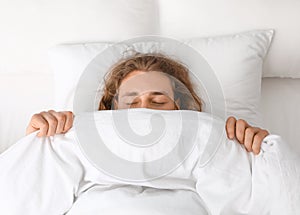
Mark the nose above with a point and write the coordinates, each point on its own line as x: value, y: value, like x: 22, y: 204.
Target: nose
x: 144, y: 103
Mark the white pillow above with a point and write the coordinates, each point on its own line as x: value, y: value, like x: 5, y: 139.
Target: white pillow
x: 236, y: 59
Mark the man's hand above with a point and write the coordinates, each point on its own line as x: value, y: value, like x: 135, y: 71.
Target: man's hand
x: 251, y: 137
x: 50, y: 123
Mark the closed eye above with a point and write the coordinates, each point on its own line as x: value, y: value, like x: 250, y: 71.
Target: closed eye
x: 158, y: 103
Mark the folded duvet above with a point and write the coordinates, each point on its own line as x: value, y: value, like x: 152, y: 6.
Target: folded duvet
x: 142, y: 161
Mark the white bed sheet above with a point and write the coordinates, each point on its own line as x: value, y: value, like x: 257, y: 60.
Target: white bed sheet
x: 52, y: 175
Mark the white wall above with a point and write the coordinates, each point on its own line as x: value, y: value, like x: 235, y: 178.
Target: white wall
x: 29, y: 27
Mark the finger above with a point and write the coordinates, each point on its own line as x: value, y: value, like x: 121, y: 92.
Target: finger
x: 250, y: 132
x: 37, y: 122
x: 257, y: 141
x: 230, y: 127
x: 61, y: 120
x: 69, y: 121
x: 52, y: 123
x: 240, y: 127
x: 256, y: 144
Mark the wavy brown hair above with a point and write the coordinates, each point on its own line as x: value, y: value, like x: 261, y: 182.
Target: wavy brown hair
x: 181, y: 83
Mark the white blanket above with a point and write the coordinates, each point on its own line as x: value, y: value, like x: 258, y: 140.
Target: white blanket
x: 60, y: 175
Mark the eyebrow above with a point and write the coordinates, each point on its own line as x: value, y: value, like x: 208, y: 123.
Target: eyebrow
x: 152, y: 93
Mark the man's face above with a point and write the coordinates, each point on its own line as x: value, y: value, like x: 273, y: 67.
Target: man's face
x: 141, y: 89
